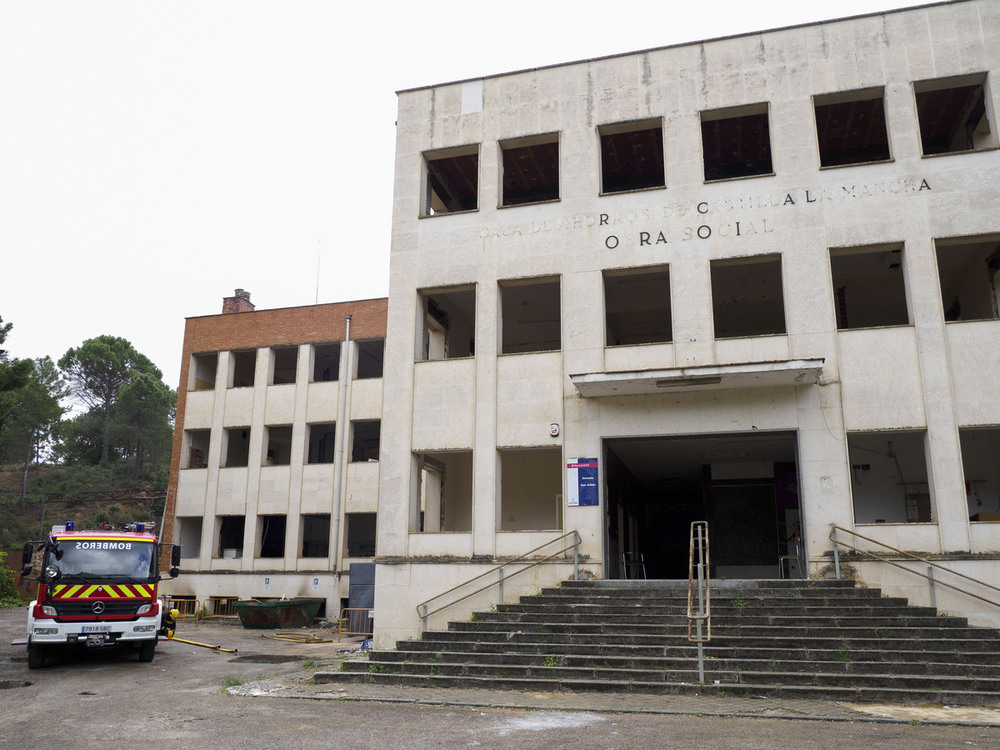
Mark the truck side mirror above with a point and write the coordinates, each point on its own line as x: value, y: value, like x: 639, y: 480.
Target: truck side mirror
x: 175, y: 556
x: 174, y: 572
x: 26, y: 554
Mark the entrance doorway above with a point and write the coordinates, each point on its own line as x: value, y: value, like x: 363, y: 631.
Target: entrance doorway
x: 745, y: 485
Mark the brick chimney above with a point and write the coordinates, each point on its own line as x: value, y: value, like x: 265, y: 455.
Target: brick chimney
x: 239, y: 302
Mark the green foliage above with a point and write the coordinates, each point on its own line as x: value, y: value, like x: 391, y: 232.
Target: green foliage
x: 9, y: 594
x: 112, y: 379
x: 14, y: 374
x: 28, y: 429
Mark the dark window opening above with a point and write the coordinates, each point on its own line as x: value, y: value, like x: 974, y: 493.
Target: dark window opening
x: 981, y: 464
x: 449, y: 324
x: 243, y: 366
x: 452, y: 181
x: 747, y: 298
x: 279, y: 446
x: 322, y: 442
x: 231, y: 530
x: 637, y: 307
x: 189, y: 535
x: 530, y: 317
x: 850, y: 128
x: 285, y: 360
x: 272, y: 536
x: 365, y: 441
x: 203, y: 369
x: 326, y: 362
x: 316, y: 535
x: 237, y: 446
x: 361, y: 534
x: 736, y: 143
x: 198, y: 444
x: 889, y: 477
x: 952, y: 116
x: 869, y: 288
x: 631, y: 156
x: 444, y: 492
x: 530, y: 170
x: 370, y: 354
x: 530, y: 489
x: 969, y: 273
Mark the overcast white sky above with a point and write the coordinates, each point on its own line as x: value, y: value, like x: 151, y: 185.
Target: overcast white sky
x: 155, y: 156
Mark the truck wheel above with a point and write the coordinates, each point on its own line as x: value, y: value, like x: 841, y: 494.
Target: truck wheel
x: 147, y: 649
x: 36, y: 656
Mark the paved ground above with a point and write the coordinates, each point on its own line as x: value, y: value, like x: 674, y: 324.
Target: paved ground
x: 261, y: 697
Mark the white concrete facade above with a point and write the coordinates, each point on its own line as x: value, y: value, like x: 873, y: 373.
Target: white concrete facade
x: 825, y: 392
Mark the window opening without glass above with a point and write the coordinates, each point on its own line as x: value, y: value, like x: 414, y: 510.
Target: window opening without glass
x: 530, y: 170
x: 850, y: 128
x: 747, y: 298
x: 452, y: 180
x: 631, y: 156
x: 736, y: 142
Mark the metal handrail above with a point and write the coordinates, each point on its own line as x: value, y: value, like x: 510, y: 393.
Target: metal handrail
x: 700, y: 577
x: 424, y: 613
x: 930, y: 563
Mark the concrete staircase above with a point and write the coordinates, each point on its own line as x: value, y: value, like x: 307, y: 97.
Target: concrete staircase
x: 804, y: 639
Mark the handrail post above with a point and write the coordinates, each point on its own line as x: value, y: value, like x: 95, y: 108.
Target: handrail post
x: 423, y: 618
x: 836, y: 553
x: 576, y: 556
x: 500, y: 585
x: 930, y: 578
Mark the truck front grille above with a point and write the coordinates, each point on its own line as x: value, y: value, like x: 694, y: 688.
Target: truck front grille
x: 111, y: 607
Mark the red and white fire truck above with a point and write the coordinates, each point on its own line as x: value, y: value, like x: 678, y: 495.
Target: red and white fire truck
x: 96, y: 589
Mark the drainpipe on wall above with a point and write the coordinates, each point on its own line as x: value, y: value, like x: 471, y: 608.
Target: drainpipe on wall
x: 338, y: 457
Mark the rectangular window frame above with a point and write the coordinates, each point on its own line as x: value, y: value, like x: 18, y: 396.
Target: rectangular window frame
x: 510, y: 149
x: 609, y: 140
x: 435, y: 182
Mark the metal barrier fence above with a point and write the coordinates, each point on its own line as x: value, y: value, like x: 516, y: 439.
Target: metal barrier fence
x: 189, y: 608
x: 213, y: 608
x: 219, y: 607
x: 356, y: 621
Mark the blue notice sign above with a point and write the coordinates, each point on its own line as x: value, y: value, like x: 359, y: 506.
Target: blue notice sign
x: 581, y: 481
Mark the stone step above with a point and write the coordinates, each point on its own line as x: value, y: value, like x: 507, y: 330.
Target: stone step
x: 721, y: 620
x: 770, y: 652
x: 785, y: 608
x: 552, y: 670
x: 812, y: 629
x: 832, y: 641
x: 847, y: 663
x: 626, y: 600
x: 869, y: 694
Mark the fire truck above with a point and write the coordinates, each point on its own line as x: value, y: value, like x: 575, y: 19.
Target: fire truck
x: 96, y: 589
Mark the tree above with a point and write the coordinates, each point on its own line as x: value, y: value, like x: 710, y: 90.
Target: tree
x: 96, y: 371
x: 14, y: 373
x: 143, y: 418
x: 36, y: 410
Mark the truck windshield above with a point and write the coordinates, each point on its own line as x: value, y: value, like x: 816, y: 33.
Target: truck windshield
x: 105, y: 558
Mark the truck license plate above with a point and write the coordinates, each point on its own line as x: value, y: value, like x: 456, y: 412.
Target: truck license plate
x: 96, y: 629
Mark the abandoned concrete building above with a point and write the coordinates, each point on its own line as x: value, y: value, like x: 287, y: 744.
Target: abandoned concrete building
x: 751, y: 280
x: 274, y: 475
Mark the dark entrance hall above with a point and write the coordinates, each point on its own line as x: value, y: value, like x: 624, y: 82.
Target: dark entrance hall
x: 744, y: 485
